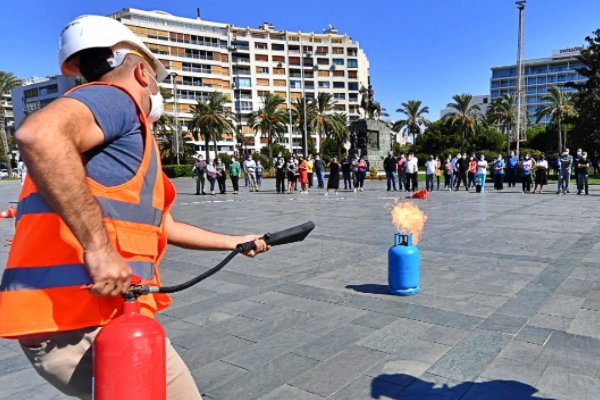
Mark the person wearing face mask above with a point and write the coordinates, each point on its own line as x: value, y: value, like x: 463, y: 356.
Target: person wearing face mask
x: 412, y: 173
x: 221, y: 175
x: 235, y: 170
x: 199, y: 170
x: 566, y: 164
x: 448, y: 173
x: 511, y: 169
x: 280, y: 171
x: 250, y: 171
x: 431, y: 167
x: 499, y: 166
x: 576, y: 170
x: 583, y: 166
x: 94, y: 210
x: 472, y: 173
x: 462, y: 165
x: 526, y: 171
x: 454, y: 170
x: 481, y: 172
x: 541, y: 175
x: 319, y: 168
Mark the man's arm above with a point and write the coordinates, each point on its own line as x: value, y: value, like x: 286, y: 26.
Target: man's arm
x: 191, y: 237
x: 52, y: 140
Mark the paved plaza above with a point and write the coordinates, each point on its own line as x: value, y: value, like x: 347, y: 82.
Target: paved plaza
x: 509, y: 306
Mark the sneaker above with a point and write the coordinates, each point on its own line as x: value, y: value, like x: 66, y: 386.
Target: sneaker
x: 558, y: 192
x: 361, y: 189
x: 327, y: 194
x: 354, y: 190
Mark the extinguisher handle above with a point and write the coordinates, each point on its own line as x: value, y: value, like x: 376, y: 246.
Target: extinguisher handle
x: 289, y: 235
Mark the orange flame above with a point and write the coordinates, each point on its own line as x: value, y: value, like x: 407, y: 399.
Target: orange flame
x: 407, y: 218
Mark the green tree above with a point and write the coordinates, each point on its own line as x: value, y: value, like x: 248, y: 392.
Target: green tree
x: 503, y: 112
x: 323, y: 106
x: 270, y: 120
x: 277, y: 148
x: 464, y: 115
x: 210, y: 120
x: 301, y: 107
x: 8, y: 81
x: 586, y: 99
x: 558, y: 105
x: 338, y: 130
x: 168, y: 148
x: 414, y: 118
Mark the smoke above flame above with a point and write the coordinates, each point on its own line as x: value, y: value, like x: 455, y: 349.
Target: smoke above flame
x: 407, y: 218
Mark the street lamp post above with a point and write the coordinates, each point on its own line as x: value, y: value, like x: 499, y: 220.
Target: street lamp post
x: 174, y: 81
x: 521, y: 7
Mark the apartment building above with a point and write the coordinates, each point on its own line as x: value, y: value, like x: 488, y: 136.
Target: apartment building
x: 246, y: 63
x: 538, y: 75
x: 9, y: 117
x: 482, y: 101
x: 38, y: 92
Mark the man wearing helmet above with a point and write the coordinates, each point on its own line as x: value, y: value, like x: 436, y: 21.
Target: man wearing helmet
x: 94, y: 209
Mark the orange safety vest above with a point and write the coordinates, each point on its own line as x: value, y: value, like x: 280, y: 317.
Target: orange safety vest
x: 40, y: 289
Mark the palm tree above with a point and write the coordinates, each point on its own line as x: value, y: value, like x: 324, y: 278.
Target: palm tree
x: 338, y: 130
x: 559, y: 106
x: 323, y: 107
x: 270, y: 120
x: 8, y: 81
x: 464, y: 115
x: 503, y: 112
x: 168, y: 148
x: 210, y: 120
x: 298, y: 112
x: 414, y: 119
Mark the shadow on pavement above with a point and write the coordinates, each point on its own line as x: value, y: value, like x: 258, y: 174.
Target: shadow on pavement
x: 386, y: 386
x: 369, y: 288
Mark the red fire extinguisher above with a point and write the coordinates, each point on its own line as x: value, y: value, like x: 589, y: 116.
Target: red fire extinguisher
x: 129, y: 354
x: 130, y: 351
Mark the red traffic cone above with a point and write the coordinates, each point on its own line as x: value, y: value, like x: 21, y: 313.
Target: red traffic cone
x: 10, y: 213
x: 421, y: 194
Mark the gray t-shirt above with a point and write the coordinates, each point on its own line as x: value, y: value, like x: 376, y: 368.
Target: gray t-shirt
x: 319, y: 166
x: 250, y: 165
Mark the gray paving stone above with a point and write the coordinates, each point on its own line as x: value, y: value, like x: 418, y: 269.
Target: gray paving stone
x: 592, y: 301
x: 565, y: 385
x: 13, y: 364
x: 269, y: 348
x: 374, y: 320
x: 501, y: 390
x: 524, y: 304
x: 23, y: 380
x: 443, y: 335
x: 532, y: 334
x: 559, y: 305
x: 471, y: 356
x: 337, y: 372
x: 335, y: 341
x: 435, y: 387
x: 290, y: 392
x: 215, y: 374
x: 203, y: 354
x: 504, y: 323
x: 522, y: 372
x: 586, y: 323
x: 394, y: 336
x: 550, y: 322
x: 264, y: 379
x: 366, y: 387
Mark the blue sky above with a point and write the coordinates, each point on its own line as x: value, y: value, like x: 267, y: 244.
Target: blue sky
x: 422, y: 49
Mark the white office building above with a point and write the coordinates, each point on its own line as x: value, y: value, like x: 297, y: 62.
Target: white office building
x: 481, y: 100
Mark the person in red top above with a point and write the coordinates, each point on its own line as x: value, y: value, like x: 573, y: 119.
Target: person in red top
x: 303, y: 167
x: 472, y: 171
x: 402, y: 172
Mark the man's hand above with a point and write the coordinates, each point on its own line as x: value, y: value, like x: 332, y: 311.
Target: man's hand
x: 261, y: 246
x: 109, y: 271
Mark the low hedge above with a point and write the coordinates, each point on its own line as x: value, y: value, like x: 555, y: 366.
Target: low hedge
x: 177, y: 171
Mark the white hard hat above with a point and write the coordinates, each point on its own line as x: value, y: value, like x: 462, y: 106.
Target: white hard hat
x: 92, y: 31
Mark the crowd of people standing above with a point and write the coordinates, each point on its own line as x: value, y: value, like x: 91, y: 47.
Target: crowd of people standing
x: 402, y: 173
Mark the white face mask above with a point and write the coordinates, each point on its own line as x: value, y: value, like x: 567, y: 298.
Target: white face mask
x: 482, y: 158
x: 157, y: 106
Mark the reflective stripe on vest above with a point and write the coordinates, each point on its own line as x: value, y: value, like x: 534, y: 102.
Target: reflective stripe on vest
x: 56, y: 276
x: 142, y: 213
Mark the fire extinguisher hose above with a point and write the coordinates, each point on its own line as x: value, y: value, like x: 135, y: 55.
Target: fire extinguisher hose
x: 286, y: 236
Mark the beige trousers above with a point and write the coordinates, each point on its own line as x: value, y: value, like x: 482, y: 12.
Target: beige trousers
x: 64, y: 359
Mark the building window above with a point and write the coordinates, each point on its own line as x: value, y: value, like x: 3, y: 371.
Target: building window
x: 295, y: 96
x: 262, y: 82
x: 551, y: 79
x: 322, y: 61
x: 531, y: 90
x: 243, y: 82
x: 541, y: 89
x: 353, y: 86
x: 338, y: 61
x: 531, y: 100
x: 495, y: 93
x: 262, y: 93
x: 562, y: 78
x: 324, y: 84
x: 338, y: 73
x: 339, y: 96
x: 294, y: 61
x: 323, y: 73
x: 295, y: 85
x: 322, y: 50
x: 31, y: 93
x: 572, y: 77
x: 261, y: 46
x: 278, y: 82
x: 243, y: 106
x: 504, y: 73
x: 338, y: 85
x: 281, y: 94
x: 261, y: 57
x: 340, y: 107
x: 279, y: 58
x: 279, y: 71
x: 352, y: 63
x: 337, y: 50
x: 277, y: 47
x: 541, y: 80
x: 262, y: 70
x: 44, y: 90
x: 531, y: 81
x: 495, y: 84
x: 309, y: 85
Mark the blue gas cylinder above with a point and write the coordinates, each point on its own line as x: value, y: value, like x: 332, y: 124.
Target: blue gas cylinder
x: 403, y: 266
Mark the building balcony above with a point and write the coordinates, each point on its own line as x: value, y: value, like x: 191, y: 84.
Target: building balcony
x: 294, y: 52
x: 241, y: 61
x: 243, y: 96
x: 241, y: 72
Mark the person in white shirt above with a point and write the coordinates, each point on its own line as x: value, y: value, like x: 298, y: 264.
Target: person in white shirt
x: 481, y: 171
x: 431, y: 166
x: 249, y: 170
x: 22, y: 171
x: 412, y: 173
x: 541, y: 174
